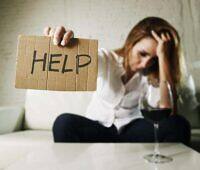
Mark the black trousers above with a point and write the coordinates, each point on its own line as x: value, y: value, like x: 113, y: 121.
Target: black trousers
x: 70, y: 127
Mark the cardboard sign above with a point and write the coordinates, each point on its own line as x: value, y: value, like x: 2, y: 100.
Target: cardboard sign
x: 43, y: 65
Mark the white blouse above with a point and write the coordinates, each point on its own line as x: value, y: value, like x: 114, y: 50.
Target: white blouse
x: 113, y: 102
x: 118, y: 104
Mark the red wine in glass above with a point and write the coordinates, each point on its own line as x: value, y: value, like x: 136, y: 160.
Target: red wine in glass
x: 152, y: 111
x: 156, y: 114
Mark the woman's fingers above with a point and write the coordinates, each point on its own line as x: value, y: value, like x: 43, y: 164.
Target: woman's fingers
x: 67, y: 36
x: 58, y: 35
x: 46, y: 31
x: 164, y: 38
x: 163, y: 43
x: 51, y: 32
x: 155, y: 35
x: 168, y: 36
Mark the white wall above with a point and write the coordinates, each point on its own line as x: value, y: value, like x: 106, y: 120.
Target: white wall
x: 109, y: 21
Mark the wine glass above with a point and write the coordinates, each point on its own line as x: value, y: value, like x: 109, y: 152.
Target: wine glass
x: 154, y: 112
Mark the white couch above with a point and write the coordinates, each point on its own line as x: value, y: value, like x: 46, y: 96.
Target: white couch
x: 23, y: 128
x: 41, y: 109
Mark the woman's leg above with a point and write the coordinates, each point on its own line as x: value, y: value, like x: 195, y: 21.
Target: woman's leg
x: 75, y: 128
x: 175, y: 129
x: 139, y: 130
x: 172, y: 129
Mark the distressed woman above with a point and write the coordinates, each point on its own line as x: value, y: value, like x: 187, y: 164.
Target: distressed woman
x: 113, y: 114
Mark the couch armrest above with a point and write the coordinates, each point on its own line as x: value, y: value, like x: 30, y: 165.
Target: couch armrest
x: 11, y: 118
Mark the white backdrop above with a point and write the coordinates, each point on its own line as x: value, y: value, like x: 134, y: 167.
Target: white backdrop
x: 109, y: 21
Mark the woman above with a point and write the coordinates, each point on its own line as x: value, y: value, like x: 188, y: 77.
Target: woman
x: 113, y: 114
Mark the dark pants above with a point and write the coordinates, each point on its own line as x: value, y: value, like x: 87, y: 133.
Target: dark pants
x: 69, y: 127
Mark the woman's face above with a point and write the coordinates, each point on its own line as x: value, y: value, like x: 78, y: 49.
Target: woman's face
x: 142, y: 54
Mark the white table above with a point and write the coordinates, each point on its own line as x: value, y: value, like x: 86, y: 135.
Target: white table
x: 103, y: 156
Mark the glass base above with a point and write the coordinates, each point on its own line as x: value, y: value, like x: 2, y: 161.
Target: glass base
x: 157, y: 158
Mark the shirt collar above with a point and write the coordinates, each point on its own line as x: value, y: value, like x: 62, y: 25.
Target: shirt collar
x: 119, y: 62
x: 121, y: 69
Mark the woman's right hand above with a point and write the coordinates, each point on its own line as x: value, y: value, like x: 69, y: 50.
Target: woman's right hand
x: 61, y: 35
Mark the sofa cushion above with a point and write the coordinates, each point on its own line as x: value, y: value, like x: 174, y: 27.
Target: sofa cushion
x: 43, y: 106
x: 11, y: 118
x: 27, y: 137
x: 14, y: 146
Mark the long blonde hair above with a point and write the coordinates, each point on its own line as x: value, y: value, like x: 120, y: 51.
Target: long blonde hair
x: 142, y: 30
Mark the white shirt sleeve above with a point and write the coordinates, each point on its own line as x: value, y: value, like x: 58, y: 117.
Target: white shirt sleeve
x: 187, y: 101
x: 102, y: 62
x: 102, y: 69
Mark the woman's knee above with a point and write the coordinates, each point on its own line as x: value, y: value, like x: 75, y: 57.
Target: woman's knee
x: 176, y: 129
x: 185, y: 125
x: 63, y: 121
x: 139, y: 130
x: 181, y: 121
x: 63, y: 130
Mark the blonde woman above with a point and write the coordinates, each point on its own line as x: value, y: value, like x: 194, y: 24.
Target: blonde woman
x: 113, y: 114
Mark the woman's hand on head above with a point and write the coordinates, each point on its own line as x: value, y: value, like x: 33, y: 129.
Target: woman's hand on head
x: 163, y: 47
x: 61, y: 35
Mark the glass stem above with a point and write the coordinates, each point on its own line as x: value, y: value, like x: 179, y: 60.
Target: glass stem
x: 156, y: 146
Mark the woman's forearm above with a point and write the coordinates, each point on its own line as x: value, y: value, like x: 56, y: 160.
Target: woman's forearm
x: 165, y: 71
x: 165, y: 75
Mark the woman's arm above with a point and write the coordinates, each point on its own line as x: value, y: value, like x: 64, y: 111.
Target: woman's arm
x: 165, y: 76
x: 165, y: 72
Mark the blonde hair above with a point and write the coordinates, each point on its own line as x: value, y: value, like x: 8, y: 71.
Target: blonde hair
x: 143, y: 30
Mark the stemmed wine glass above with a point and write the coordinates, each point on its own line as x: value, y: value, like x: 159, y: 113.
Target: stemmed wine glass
x: 153, y: 112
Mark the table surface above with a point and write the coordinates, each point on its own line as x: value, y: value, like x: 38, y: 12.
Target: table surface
x: 102, y: 156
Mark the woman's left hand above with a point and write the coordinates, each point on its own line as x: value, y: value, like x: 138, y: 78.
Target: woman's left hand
x: 163, y: 46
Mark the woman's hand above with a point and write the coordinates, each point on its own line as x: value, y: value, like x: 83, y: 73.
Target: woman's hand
x: 61, y: 35
x: 165, y: 71
x: 164, y: 41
